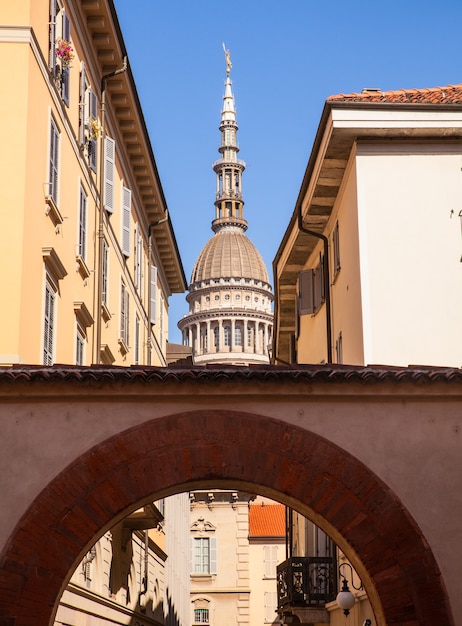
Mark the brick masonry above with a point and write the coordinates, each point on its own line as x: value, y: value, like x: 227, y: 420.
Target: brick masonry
x: 403, y: 580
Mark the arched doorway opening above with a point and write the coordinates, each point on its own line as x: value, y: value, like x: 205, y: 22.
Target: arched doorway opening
x: 223, y: 449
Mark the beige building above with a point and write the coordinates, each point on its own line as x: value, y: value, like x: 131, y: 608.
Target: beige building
x: 369, y: 269
x: 237, y: 540
x: 86, y: 237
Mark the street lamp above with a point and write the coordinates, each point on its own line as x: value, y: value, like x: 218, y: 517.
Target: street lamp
x: 345, y: 599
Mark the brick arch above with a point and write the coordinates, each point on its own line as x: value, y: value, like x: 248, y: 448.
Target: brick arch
x: 222, y: 447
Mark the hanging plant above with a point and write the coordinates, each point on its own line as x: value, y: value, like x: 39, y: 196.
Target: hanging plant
x: 64, y: 51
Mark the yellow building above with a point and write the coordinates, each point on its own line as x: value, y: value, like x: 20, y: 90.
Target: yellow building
x: 88, y: 251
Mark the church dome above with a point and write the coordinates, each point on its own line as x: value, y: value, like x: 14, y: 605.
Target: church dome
x: 229, y: 254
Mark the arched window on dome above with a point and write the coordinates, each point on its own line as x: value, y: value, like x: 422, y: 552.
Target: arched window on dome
x: 227, y: 335
x: 216, y: 337
x: 238, y: 335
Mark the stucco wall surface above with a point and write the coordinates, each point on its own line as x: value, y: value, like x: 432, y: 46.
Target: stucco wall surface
x: 404, y: 433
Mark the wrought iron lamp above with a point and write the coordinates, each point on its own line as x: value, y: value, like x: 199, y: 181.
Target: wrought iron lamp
x: 345, y: 599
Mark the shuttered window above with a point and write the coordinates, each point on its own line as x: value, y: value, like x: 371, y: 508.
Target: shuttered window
x: 109, y: 165
x: 65, y: 70
x: 126, y: 213
x: 138, y: 269
x: 49, y: 325
x: 53, y: 162
x: 124, y: 315
x: 203, y: 555
x: 83, y: 224
x: 336, y: 248
x: 83, y: 105
x: 310, y: 290
x: 105, y: 268
x: 271, y: 603
x: 270, y: 558
x: 153, y: 296
x: 52, y: 56
x: 93, y: 141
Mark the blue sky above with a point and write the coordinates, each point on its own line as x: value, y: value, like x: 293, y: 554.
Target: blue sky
x: 288, y: 57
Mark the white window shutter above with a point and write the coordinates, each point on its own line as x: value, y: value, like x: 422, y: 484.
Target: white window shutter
x: 126, y: 212
x: 213, y: 555
x: 153, y: 300
x: 109, y: 165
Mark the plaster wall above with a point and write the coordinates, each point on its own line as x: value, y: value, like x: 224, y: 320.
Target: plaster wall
x: 407, y: 436
x: 410, y: 251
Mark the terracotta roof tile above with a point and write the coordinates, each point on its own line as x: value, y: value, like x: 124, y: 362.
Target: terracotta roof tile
x: 210, y: 374
x: 451, y: 94
x: 267, y: 520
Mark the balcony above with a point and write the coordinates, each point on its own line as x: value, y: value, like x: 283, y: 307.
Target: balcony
x: 307, y: 581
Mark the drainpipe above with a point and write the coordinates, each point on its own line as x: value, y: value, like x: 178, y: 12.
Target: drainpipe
x: 149, y: 340
x: 97, y: 343
x: 313, y: 233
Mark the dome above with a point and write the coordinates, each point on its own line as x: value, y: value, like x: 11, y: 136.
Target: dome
x: 229, y: 254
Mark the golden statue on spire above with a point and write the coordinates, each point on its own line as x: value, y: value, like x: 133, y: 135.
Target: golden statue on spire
x: 229, y: 65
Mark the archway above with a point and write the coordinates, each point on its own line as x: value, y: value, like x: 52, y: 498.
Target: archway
x: 219, y: 447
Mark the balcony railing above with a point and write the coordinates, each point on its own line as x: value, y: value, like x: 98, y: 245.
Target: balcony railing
x: 306, y: 581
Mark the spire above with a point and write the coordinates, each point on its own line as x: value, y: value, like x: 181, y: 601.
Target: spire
x: 229, y: 205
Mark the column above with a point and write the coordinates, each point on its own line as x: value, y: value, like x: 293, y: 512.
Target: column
x: 198, y: 338
x: 209, y: 338
x: 245, y: 338
x: 220, y: 335
x: 233, y: 328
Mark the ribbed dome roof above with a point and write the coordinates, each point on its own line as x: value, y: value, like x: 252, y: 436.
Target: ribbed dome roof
x: 229, y: 254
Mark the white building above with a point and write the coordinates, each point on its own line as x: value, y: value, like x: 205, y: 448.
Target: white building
x: 369, y: 270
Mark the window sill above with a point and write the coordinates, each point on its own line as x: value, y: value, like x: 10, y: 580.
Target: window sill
x: 201, y: 577
x: 123, y: 347
x: 106, y: 315
x: 82, y: 267
x: 52, y: 211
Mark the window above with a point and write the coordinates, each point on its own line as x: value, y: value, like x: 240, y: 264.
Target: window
x: 238, y: 336
x: 153, y: 295
x: 124, y: 316
x: 201, y: 616
x: 216, y: 337
x: 271, y: 604
x: 109, y: 165
x: 126, y: 213
x: 54, y: 162
x: 227, y: 335
x: 49, y: 323
x: 92, y: 130
x: 137, y: 340
x: 60, y: 29
x: 250, y: 336
x: 105, y: 267
x: 310, y: 290
x: 138, y: 269
x: 204, y: 555
x: 270, y: 560
x: 82, y: 246
x: 79, y: 346
x: 336, y: 247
